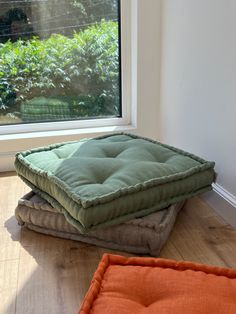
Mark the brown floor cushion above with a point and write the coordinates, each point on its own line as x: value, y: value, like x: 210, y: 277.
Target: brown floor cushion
x: 144, y: 235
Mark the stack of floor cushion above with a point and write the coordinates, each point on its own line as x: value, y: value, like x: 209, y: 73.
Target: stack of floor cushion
x: 109, y: 181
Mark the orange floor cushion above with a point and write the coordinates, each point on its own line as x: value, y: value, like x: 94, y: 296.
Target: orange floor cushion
x: 124, y: 285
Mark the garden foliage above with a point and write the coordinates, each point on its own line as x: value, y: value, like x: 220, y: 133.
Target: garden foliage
x: 81, y: 71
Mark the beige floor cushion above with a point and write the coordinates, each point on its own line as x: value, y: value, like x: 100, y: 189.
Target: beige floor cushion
x: 144, y: 235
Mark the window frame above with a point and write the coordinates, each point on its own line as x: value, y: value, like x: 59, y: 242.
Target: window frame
x: 128, y: 50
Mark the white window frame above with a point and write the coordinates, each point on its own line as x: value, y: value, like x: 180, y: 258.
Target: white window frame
x: 128, y: 87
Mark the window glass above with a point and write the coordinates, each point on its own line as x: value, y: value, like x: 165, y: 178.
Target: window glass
x: 59, y: 60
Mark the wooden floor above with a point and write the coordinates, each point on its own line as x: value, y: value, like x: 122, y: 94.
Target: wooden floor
x: 45, y: 275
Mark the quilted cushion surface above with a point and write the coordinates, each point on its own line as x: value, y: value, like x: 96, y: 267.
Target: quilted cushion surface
x: 144, y: 235
x: 110, y: 179
x: 152, y: 285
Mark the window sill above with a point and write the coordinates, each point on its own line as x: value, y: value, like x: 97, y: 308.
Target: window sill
x: 68, y: 132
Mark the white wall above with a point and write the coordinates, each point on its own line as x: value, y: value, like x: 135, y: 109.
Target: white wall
x: 148, y: 95
x: 198, y: 85
x: 149, y: 55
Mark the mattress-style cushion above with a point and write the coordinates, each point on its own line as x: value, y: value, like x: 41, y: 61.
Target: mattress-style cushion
x: 111, y: 179
x: 144, y: 235
x: 151, y: 285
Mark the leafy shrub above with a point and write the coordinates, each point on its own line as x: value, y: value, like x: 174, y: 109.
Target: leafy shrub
x: 84, y: 68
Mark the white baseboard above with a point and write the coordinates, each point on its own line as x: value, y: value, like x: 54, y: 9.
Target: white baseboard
x: 7, y: 161
x: 223, y: 202
x: 230, y: 198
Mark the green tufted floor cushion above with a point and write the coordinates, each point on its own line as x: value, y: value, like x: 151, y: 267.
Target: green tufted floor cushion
x: 111, y: 179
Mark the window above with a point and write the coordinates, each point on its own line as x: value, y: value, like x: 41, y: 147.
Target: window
x: 59, y: 61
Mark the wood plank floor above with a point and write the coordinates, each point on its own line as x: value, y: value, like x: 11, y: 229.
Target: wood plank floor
x: 45, y: 275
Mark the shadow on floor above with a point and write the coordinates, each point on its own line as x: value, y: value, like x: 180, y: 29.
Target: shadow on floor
x: 53, y: 274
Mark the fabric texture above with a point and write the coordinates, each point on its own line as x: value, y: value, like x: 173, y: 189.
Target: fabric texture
x: 145, y: 235
x: 111, y: 179
x: 151, y: 285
